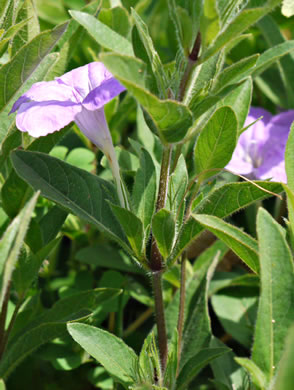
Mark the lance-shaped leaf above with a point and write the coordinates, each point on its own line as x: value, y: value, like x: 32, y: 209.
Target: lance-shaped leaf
x: 276, y: 309
x: 216, y: 142
x: 223, y: 202
x: 132, y: 227
x: 234, y: 73
x: 163, y: 230
x: 289, y: 166
x: 105, y: 36
x: 78, y: 191
x: 256, y: 374
x: 28, y: 66
x: 156, y: 64
x: 52, y: 324
x: 145, y: 189
x: 119, y: 360
x: 197, y: 363
x: 11, y: 244
x: 240, y: 99
x: 285, y: 374
x: 171, y: 118
x: 237, y: 26
x: 241, y: 243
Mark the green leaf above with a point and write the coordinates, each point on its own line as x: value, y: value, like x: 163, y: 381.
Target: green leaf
x: 171, y: 118
x: 133, y: 229
x: 216, y: 142
x: 240, y: 99
x: 257, y: 376
x: 51, y: 223
x: 227, y: 373
x: 274, y: 36
x: 200, y: 270
x: 197, y: 363
x: 10, y: 33
x: 197, y: 330
x: 178, y: 183
x: 76, y: 190
x: 82, y: 158
x: 241, y: 243
x: 149, y: 360
x: 237, y: 314
x: 51, y: 324
x: 116, y: 18
x: 155, y: 61
x: 288, y: 10
x: 11, y: 244
x: 289, y: 159
x: 101, y: 255
x: 234, y: 73
x: 241, y: 23
x: 105, y: 36
x: 222, y: 202
x: 28, y: 66
x: 285, y: 375
x: 163, y: 230
x: 15, y: 192
x: 276, y: 311
x: 145, y: 189
x: 112, y: 353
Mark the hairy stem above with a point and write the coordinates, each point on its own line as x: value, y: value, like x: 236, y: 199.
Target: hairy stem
x: 160, y: 319
x: 181, y: 309
x: 192, y: 59
x: 156, y: 261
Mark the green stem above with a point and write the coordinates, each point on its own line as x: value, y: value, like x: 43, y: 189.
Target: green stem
x: 160, y: 319
x: 192, y: 59
x: 156, y: 261
x: 181, y: 309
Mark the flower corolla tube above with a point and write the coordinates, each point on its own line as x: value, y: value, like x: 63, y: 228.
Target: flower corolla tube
x: 260, y: 151
x: 79, y: 96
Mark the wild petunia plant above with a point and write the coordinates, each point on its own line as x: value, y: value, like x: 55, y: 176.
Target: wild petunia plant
x: 217, y: 291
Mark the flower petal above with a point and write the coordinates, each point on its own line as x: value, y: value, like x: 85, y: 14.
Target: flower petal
x: 93, y: 124
x: 77, y: 79
x: 97, y: 74
x: 42, y: 118
x: 45, y: 91
x: 101, y: 95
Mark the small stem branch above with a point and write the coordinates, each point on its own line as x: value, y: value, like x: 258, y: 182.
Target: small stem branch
x: 160, y: 319
x: 192, y: 59
x: 181, y: 309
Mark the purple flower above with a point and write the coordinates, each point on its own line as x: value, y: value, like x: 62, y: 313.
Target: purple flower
x: 261, y: 148
x: 79, y: 96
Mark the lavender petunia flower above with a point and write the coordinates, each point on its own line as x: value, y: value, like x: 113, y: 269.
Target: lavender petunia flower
x: 260, y: 152
x: 79, y: 96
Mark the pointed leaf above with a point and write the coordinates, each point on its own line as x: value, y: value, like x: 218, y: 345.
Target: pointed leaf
x: 257, y: 376
x: 216, y: 142
x: 163, y: 229
x: 145, y: 189
x: 116, y: 357
x: 222, y: 202
x: 171, y: 118
x: 76, y: 190
x: 132, y: 227
x: 12, y: 249
x: 105, y: 36
x: 197, y: 363
x: 52, y: 324
x: 241, y: 243
x: 276, y: 311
